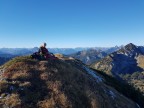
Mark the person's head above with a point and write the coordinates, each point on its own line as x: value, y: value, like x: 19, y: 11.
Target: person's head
x: 44, y: 44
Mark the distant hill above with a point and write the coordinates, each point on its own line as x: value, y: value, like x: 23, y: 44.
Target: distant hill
x: 127, y: 60
x: 89, y: 56
x: 112, y: 49
x: 5, y: 57
x: 93, y: 54
x: 3, y: 60
x: 69, y: 51
x: 62, y: 83
x: 18, y: 51
x: 66, y: 51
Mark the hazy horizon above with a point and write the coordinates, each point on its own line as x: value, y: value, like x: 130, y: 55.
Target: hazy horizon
x: 71, y: 47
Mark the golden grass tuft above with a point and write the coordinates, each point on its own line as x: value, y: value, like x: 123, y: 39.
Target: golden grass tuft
x: 141, y: 61
x: 59, y: 55
x: 20, y: 76
x: 50, y: 103
x: 13, y: 101
x: 25, y: 84
x: 44, y: 76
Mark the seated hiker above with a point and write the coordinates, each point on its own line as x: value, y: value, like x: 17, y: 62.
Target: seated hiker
x: 43, y: 51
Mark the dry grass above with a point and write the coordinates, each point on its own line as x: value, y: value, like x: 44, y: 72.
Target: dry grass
x: 60, y: 101
x: 57, y: 99
x: 25, y: 84
x: 13, y: 101
x: 19, y: 59
x: 59, y: 55
x: 3, y: 86
x: 50, y: 84
x: 141, y: 61
x: 44, y: 76
x: 47, y: 103
x: 138, y: 84
x: 20, y: 76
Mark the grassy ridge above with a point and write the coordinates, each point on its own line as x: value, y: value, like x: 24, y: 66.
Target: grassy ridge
x: 124, y: 88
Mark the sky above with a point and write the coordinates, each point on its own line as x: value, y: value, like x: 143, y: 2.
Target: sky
x: 71, y: 23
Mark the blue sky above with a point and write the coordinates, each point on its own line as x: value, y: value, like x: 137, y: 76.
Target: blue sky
x: 71, y: 23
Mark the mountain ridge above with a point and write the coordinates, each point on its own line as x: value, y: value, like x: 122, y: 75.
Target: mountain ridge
x: 126, y: 63
x: 64, y: 83
x: 125, y: 57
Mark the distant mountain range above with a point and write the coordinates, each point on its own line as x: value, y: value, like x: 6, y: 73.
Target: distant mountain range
x: 89, y: 56
x: 69, y: 51
x: 5, y: 57
x: 7, y: 54
x: 65, y: 51
x: 18, y: 51
x: 27, y: 51
x: 93, y: 54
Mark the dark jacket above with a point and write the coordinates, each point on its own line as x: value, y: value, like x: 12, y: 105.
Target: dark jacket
x: 43, y: 50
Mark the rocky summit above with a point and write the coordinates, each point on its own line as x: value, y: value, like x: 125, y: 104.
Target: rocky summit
x: 62, y: 83
x: 128, y: 59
